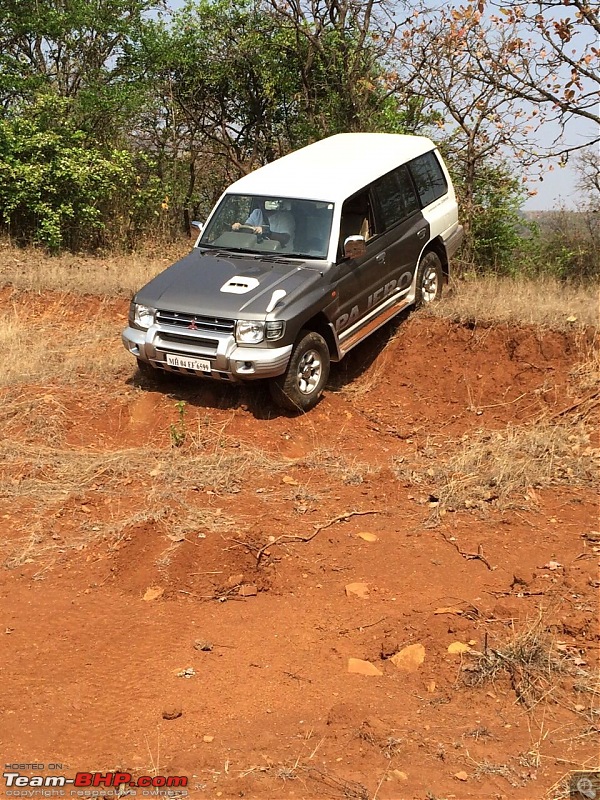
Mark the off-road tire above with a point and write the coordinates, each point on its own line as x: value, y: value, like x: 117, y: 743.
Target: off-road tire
x: 430, y: 278
x: 301, y: 385
x: 151, y: 375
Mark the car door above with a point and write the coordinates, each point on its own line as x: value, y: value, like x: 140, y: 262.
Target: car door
x: 357, y: 277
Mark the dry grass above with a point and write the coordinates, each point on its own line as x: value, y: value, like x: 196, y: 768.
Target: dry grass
x: 543, y: 301
x: 505, y: 467
x: 44, y: 483
x: 41, y: 347
x: 529, y: 660
x: 32, y: 269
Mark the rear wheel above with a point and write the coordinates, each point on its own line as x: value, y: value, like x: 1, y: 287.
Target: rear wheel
x: 430, y: 278
x: 301, y: 386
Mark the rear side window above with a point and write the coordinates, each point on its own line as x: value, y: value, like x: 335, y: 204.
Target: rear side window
x: 429, y: 178
x: 396, y: 196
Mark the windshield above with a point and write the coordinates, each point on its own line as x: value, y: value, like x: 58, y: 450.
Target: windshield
x: 270, y: 224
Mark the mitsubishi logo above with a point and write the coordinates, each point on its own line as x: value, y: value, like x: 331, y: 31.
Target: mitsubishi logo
x: 192, y: 326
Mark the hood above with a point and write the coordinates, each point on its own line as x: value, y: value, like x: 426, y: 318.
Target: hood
x: 201, y: 283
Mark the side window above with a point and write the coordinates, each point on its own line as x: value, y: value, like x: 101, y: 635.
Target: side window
x: 429, y: 178
x: 396, y: 196
x: 357, y: 218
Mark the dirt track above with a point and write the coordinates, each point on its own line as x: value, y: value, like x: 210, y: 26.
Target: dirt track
x: 99, y: 506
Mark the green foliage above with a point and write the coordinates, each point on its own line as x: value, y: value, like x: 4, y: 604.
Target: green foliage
x: 568, y: 245
x: 496, y: 230
x: 57, y: 190
x: 177, y: 431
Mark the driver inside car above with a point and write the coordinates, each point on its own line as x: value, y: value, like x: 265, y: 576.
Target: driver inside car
x: 278, y: 225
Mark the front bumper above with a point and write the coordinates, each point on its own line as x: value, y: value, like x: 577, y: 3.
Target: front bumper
x: 228, y: 361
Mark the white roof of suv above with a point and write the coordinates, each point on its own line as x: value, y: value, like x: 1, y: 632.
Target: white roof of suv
x: 334, y: 168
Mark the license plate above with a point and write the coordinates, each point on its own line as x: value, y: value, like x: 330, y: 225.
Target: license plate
x: 199, y: 364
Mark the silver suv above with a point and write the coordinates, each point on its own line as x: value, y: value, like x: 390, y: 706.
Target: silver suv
x: 299, y: 262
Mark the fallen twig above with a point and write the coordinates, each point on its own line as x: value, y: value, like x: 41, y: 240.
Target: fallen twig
x: 284, y: 538
x: 478, y: 556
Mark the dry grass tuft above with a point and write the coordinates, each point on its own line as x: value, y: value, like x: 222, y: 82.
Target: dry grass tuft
x: 529, y: 659
x: 44, y: 349
x: 505, y: 467
x: 51, y: 481
x: 540, y: 301
x: 32, y: 269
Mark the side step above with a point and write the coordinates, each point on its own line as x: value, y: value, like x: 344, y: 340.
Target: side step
x: 368, y: 328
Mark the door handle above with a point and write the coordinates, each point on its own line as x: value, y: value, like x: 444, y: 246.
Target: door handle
x: 421, y: 234
x: 380, y: 258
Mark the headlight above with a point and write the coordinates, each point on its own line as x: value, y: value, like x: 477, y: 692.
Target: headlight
x: 249, y: 331
x: 143, y: 316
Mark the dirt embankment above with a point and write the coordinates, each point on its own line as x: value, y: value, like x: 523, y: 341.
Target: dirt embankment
x: 189, y: 551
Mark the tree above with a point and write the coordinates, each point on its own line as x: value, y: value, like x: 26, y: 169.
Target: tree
x: 540, y: 52
x: 74, y: 49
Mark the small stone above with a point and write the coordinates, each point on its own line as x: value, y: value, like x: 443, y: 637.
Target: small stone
x: 202, y: 644
x: 208, y: 739
x: 359, y: 667
x: 457, y: 648
x: 402, y: 776
x: 357, y: 590
x: 235, y: 580
x: 367, y: 537
x: 248, y: 590
x: 171, y: 713
x: 188, y: 672
x: 153, y: 593
x: 461, y: 776
x: 410, y: 658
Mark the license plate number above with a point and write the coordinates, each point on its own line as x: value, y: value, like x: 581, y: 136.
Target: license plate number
x: 199, y: 364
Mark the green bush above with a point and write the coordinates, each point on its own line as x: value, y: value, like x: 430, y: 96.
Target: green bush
x: 61, y: 190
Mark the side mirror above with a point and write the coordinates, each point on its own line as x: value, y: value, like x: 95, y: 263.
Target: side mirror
x: 355, y: 247
x: 197, y: 225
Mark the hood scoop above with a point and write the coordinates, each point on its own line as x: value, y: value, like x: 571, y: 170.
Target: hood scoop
x: 239, y: 285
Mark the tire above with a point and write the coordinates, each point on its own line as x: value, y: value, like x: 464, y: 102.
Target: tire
x: 430, y: 278
x: 301, y: 385
x: 150, y: 374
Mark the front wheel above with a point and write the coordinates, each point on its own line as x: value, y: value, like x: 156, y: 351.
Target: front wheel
x: 301, y: 385
x: 430, y: 278
x: 152, y: 375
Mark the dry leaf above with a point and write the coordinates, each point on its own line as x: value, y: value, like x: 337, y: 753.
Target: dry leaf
x: 458, y: 647
x: 153, y: 593
x: 368, y: 537
x: 289, y: 480
x: 448, y: 610
x: 176, y: 537
x: 431, y: 687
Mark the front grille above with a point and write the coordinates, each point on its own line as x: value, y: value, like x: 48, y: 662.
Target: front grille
x: 195, y: 322
x: 196, y: 345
